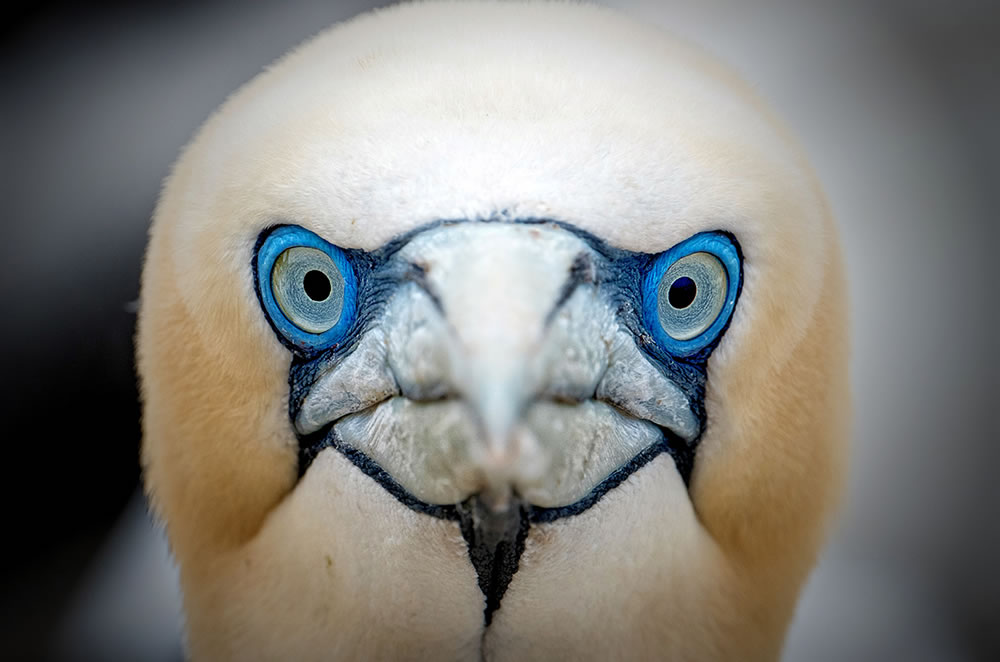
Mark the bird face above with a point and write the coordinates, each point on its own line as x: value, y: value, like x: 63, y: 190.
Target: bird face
x: 498, y: 373
x: 456, y: 349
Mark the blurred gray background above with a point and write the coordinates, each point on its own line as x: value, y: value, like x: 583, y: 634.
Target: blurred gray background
x: 897, y: 104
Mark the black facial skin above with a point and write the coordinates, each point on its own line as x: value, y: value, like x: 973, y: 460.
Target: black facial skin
x: 496, y: 539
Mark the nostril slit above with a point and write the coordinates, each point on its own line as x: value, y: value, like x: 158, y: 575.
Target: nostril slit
x: 438, y: 392
x: 580, y: 271
x: 566, y: 399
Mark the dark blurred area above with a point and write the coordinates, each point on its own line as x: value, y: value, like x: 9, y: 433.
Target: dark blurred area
x: 98, y: 101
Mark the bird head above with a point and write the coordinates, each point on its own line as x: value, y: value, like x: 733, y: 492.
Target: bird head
x: 492, y: 329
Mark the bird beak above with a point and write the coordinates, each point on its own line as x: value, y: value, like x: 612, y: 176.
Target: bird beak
x: 496, y: 385
x: 498, y: 369
x: 499, y: 296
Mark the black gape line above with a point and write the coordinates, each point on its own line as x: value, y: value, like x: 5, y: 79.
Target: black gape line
x: 496, y: 540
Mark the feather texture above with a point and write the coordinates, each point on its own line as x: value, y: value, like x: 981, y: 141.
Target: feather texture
x: 443, y: 110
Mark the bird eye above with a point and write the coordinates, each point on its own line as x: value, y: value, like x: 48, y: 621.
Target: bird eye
x: 307, y: 287
x: 690, y: 291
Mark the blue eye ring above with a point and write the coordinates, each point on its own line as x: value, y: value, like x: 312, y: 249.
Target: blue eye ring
x: 271, y: 246
x: 719, y: 245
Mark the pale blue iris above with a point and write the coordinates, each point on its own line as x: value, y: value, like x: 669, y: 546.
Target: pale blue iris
x: 306, y: 300
x: 710, y: 281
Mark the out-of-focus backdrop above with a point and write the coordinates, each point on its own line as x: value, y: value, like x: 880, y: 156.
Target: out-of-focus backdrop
x: 897, y: 104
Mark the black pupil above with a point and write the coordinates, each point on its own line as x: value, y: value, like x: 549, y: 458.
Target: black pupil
x: 317, y: 285
x: 682, y: 292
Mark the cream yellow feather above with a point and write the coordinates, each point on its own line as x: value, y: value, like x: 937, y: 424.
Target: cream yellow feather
x: 465, y: 111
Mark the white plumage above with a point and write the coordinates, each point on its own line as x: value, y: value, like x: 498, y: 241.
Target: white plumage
x: 499, y: 112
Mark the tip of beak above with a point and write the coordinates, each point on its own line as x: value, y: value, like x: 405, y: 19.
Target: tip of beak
x: 509, y: 458
x: 498, y: 388
x: 497, y: 498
